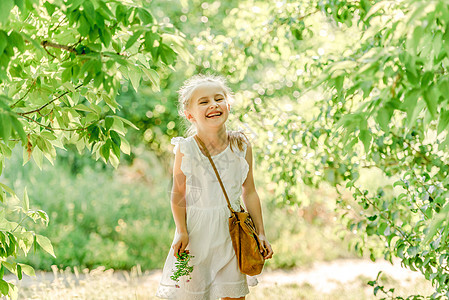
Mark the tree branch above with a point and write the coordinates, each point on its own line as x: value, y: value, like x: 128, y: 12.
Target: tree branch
x: 71, y: 49
x: 58, y: 46
x: 427, y: 159
x: 52, y: 128
x: 60, y: 22
x: 381, y: 211
x: 45, y: 105
x: 48, y: 52
x: 23, y: 97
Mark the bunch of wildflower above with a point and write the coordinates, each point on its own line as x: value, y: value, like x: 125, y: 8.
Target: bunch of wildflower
x: 182, y: 267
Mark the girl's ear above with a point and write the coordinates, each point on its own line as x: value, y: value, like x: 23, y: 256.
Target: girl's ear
x: 189, y: 116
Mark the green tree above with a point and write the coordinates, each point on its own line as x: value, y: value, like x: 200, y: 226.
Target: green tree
x: 62, y: 64
x: 336, y: 87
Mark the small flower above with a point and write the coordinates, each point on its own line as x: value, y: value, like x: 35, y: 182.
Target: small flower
x: 182, y: 267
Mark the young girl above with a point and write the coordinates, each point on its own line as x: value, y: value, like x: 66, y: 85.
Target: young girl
x: 199, y: 207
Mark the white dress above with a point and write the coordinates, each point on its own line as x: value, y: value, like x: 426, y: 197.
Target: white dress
x: 215, y: 270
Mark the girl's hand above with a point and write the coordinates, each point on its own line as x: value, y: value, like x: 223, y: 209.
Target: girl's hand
x: 180, y: 244
x: 269, y: 251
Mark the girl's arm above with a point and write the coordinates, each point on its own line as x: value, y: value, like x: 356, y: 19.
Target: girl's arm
x: 178, y: 205
x: 252, y: 202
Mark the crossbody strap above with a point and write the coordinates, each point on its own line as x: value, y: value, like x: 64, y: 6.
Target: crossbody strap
x: 216, y: 172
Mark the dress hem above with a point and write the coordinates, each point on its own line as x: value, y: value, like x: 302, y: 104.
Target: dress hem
x: 240, y: 289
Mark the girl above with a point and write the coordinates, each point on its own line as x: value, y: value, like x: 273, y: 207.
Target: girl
x: 198, y: 204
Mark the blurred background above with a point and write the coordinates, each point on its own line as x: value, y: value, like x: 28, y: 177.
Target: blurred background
x: 272, y: 54
x: 120, y: 218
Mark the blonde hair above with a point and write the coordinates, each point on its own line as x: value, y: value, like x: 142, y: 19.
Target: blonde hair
x: 236, y: 138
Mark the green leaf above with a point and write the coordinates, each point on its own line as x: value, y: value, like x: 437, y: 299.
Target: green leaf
x: 167, y: 55
x: 75, y: 4
x: 5, y: 8
x: 381, y: 228
x: 27, y: 269
x: 120, y: 13
x: 145, y: 16
x: 133, y: 39
x: 66, y: 75
x: 383, y: 118
x: 117, y: 46
x: 339, y: 84
x: 8, y: 189
x: 3, y: 41
x: 431, y: 101
x: 4, y: 287
x: 94, y: 132
x: 105, y: 37
x: 125, y: 147
x: 426, y: 79
x: 400, y: 251
x: 19, y: 272
x: 150, y: 38
x: 16, y: 40
x: 105, y: 150
x: 436, y: 224
x: 84, y: 27
x: 443, y: 86
x: 400, y: 183
x: 38, y: 157
x: 135, y: 75
x: 374, y: 9
x: 412, y: 251
x: 48, y: 135
x: 108, y: 120
x: 26, y: 200
x: 410, y: 105
x: 5, y: 126
x: 45, y: 243
x: 91, y: 50
x: 18, y: 127
x: 365, y: 138
x: 127, y: 122
x: 153, y: 76
x: 44, y: 216
x: 417, y: 34
x: 116, y: 150
x: 89, y: 12
x: 411, y: 77
x: 444, y: 120
x: 115, y: 138
x: 19, y: 4
x: 49, y: 7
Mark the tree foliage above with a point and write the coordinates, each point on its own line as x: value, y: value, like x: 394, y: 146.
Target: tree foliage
x: 61, y: 66
x: 331, y: 88
x: 327, y: 88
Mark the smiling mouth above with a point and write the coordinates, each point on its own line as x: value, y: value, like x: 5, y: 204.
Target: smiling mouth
x: 214, y: 115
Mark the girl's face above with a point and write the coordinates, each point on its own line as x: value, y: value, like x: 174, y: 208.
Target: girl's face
x: 208, y: 106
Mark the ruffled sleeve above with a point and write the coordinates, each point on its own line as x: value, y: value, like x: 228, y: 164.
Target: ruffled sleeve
x: 183, y: 146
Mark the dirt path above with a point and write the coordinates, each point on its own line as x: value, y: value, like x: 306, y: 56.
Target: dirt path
x: 327, y: 276
x: 323, y: 276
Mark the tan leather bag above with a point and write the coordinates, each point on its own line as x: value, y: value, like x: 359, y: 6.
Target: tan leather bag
x: 246, y: 242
